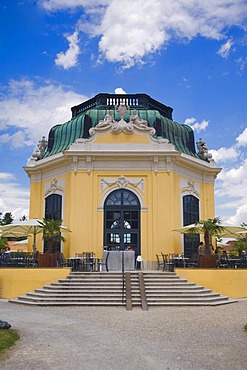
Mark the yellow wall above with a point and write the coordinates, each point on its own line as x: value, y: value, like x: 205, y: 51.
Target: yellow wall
x: 207, y: 201
x: 83, y: 212
x: 16, y: 282
x: 232, y: 283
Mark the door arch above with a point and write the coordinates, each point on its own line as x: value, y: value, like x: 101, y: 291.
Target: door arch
x: 122, y: 221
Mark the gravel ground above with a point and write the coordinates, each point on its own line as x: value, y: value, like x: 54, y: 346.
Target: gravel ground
x: 101, y: 338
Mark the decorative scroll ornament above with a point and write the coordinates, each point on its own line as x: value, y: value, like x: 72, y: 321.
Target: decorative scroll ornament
x: 53, y: 187
x: 122, y: 182
x: 190, y: 189
x: 135, y: 123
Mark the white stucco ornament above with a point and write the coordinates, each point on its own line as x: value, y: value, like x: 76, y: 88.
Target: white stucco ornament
x: 135, y: 124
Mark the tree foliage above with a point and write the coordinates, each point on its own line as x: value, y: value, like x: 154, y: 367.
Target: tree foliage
x: 6, y: 219
x: 52, y: 233
x: 210, y: 227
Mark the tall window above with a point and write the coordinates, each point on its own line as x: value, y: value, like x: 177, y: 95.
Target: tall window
x: 53, y: 211
x: 190, y: 216
x: 53, y: 207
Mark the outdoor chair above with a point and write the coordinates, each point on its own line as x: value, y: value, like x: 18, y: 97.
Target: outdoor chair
x: 193, y: 261
x: 88, y: 262
x: 62, y: 261
x: 160, y: 262
x: 168, y: 263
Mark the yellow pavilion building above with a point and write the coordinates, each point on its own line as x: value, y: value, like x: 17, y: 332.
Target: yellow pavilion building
x: 122, y: 175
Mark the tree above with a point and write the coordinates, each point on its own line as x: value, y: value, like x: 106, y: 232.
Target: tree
x: 209, y: 228
x: 3, y: 243
x: 241, y: 244
x: 51, y: 233
x: 6, y: 219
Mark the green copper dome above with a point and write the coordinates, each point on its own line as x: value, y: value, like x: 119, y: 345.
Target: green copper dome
x: 89, y: 113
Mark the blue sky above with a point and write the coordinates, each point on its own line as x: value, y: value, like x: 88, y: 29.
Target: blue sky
x: 188, y: 54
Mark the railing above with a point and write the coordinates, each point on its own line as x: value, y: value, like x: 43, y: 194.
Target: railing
x: 123, y: 277
x: 142, y: 291
x: 18, y: 260
x: 142, y: 101
x: 128, y: 291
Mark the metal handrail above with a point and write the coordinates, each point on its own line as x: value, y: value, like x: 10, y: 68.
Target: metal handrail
x: 123, y: 277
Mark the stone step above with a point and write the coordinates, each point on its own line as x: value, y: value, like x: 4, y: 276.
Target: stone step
x: 180, y: 295
x: 73, y: 299
x: 105, y: 289
x: 84, y: 291
x: 67, y: 303
x: 72, y: 295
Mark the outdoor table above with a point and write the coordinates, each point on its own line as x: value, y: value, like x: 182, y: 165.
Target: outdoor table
x: 180, y: 261
x: 75, y: 263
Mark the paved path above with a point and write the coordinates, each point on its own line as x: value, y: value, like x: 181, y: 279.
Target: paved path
x: 96, y: 338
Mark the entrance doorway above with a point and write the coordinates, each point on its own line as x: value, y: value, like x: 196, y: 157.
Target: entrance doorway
x: 122, y: 221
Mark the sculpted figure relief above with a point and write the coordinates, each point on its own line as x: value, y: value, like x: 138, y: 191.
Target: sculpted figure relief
x: 136, y: 120
x: 108, y: 120
x: 202, y: 146
x: 203, y: 150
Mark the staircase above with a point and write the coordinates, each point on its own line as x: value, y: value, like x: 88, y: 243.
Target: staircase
x: 106, y: 289
x: 168, y: 289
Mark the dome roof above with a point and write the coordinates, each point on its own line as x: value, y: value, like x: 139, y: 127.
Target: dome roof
x: 89, y: 113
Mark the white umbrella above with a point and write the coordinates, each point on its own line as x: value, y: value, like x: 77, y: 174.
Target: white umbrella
x: 242, y: 233
x: 228, y: 231
x: 25, y: 228
x: 21, y: 242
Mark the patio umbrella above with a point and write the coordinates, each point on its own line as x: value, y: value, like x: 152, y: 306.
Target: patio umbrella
x: 241, y: 233
x: 25, y: 228
x: 229, y: 231
x: 21, y: 242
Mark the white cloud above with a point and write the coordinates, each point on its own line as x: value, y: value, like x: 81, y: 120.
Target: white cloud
x: 241, y: 63
x: 242, y: 139
x: 224, y: 50
x: 231, y: 193
x: 225, y: 154
x: 54, y: 5
x: 129, y: 31
x: 196, y: 126
x: 70, y: 57
x: 27, y: 112
x: 30, y: 110
x: 6, y: 176
x: 13, y: 197
x: 240, y: 216
x: 119, y: 90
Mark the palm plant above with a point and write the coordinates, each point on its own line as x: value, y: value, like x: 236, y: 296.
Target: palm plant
x: 51, y: 233
x: 210, y: 227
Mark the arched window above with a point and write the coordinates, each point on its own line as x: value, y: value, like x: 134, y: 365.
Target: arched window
x: 190, y: 216
x: 53, y: 211
x: 122, y: 197
x: 53, y: 207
